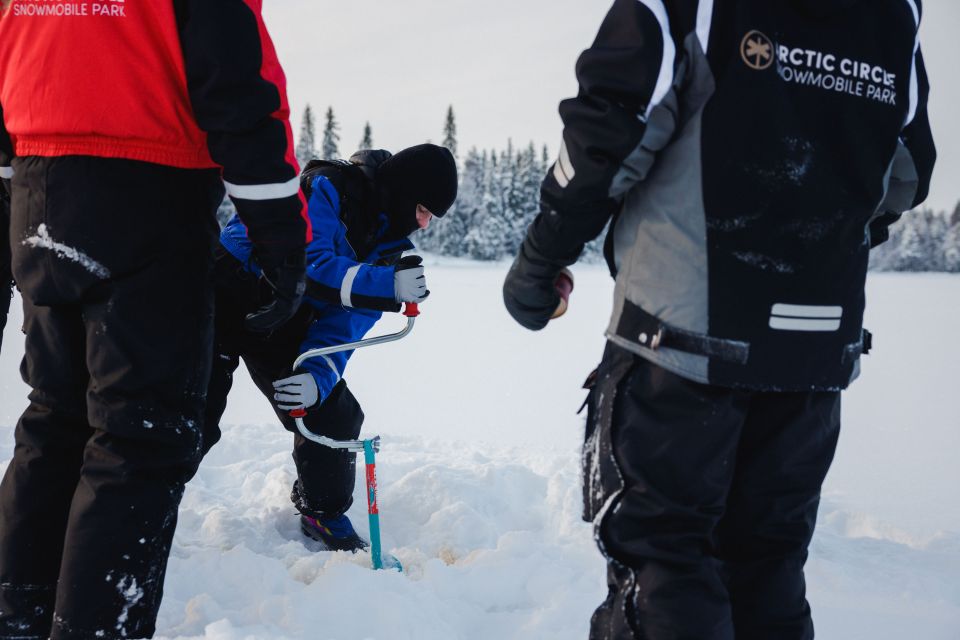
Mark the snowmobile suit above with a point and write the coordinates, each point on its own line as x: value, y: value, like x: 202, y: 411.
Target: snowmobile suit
x: 743, y: 151
x: 743, y: 148
x: 350, y: 283
x: 112, y: 234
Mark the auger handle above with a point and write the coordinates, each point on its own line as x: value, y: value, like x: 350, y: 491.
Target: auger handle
x: 411, y: 311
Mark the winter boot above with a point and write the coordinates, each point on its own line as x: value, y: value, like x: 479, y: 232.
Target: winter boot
x: 336, y: 534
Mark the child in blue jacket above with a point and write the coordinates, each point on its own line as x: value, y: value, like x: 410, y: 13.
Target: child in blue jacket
x: 362, y: 213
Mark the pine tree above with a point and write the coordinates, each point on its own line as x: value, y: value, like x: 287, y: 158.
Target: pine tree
x: 331, y: 137
x: 450, y: 132
x: 306, y: 147
x: 484, y: 241
x: 951, y: 243
x: 497, y: 228
x: 453, y: 228
x: 367, y: 141
x: 525, y: 197
x: 938, y: 227
x: 914, y: 243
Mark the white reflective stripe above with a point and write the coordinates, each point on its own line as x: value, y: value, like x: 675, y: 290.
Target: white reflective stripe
x: 565, y: 163
x: 332, y: 366
x: 563, y: 169
x: 916, y: 12
x: 804, y: 317
x: 263, y: 191
x: 665, y: 79
x: 704, y: 21
x: 806, y: 311
x: 804, y: 324
x: 6, y: 173
x: 914, y: 87
x: 558, y: 175
x: 914, y: 82
x: 347, y: 287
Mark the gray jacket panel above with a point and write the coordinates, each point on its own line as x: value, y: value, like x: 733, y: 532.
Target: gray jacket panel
x: 660, y: 236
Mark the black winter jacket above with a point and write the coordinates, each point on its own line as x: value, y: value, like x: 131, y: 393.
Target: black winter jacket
x: 748, y: 152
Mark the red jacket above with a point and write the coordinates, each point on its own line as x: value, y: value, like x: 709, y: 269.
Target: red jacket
x: 111, y: 86
x: 192, y: 84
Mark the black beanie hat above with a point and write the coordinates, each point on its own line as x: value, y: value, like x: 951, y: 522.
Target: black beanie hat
x: 425, y: 174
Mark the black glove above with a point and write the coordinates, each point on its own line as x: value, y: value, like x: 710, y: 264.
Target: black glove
x: 529, y: 292
x: 287, y: 281
x: 880, y: 228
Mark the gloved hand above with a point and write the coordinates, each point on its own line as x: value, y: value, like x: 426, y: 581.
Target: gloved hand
x: 409, y: 283
x: 529, y: 290
x: 880, y: 228
x: 296, y: 392
x: 288, y: 283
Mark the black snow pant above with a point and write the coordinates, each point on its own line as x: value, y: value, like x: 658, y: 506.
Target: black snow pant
x: 114, y: 262
x: 704, y: 501
x: 325, y: 477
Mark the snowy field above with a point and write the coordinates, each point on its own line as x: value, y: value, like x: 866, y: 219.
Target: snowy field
x: 479, y: 484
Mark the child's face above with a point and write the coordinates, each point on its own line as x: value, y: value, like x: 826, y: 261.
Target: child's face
x: 423, y: 216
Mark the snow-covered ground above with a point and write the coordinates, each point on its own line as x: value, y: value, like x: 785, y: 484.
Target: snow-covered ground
x: 479, y: 484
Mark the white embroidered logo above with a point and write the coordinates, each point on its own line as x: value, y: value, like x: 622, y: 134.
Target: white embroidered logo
x: 830, y: 72
x: 60, y: 8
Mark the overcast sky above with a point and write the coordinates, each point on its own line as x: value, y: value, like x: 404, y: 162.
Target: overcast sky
x: 503, y: 65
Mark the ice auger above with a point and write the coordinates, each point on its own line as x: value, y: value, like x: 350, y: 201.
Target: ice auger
x: 369, y: 447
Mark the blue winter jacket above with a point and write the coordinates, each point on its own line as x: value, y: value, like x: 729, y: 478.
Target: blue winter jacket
x: 347, y: 291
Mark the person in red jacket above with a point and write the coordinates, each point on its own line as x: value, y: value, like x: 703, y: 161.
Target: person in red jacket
x: 120, y: 131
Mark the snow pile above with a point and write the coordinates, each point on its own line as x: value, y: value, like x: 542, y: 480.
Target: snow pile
x: 480, y: 494
x: 490, y: 542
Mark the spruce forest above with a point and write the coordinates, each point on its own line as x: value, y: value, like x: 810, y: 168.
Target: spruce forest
x: 499, y: 198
